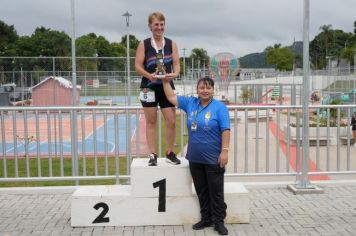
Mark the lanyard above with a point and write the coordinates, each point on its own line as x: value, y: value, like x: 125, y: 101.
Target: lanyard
x: 154, y: 45
x: 197, y: 112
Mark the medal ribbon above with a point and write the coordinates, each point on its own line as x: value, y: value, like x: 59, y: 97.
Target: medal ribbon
x: 198, y: 112
x: 154, y: 45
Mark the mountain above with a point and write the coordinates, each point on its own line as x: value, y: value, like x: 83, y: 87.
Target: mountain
x: 297, y: 47
x: 258, y: 60
x: 254, y: 60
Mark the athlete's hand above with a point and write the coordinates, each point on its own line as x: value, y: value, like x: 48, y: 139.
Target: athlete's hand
x: 153, y: 77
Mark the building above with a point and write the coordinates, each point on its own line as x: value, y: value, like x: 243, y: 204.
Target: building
x: 54, y: 91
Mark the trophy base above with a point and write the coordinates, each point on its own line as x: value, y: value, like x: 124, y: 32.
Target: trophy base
x: 160, y: 76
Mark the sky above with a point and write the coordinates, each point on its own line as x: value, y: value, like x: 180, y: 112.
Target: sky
x: 236, y: 26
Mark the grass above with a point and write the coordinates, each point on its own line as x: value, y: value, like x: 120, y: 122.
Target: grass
x: 110, y: 90
x: 56, y: 167
x: 67, y: 167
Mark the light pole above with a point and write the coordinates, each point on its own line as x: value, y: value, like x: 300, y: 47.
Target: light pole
x: 184, y: 70
x: 74, y: 150
x: 204, y: 71
x: 22, y: 83
x: 192, y: 75
x: 355, y: 51
x: 127, y: 18
x: 128, y: 117
x: 329, y: 71
x: 74, y: 74
x: 304, y: 181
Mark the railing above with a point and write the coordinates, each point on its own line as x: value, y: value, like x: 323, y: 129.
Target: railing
x: 43, y: 143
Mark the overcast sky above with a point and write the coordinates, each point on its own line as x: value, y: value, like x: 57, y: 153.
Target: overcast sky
x: 237, y: 26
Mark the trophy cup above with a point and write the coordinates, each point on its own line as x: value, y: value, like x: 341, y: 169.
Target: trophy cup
x: 160, y: 69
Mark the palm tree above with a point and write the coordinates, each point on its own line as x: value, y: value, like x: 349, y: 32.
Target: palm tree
x: 328, y: 38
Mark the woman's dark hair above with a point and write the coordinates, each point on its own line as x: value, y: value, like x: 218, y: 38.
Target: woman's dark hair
x: 206, y: 81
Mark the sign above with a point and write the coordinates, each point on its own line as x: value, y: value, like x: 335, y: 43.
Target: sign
x: 96, y: 83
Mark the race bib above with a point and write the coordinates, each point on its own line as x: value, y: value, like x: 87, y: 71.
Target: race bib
x: 148, y: 96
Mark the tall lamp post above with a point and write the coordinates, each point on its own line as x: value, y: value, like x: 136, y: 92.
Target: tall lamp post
x: 127, y: 17
x: 74, y: 150
x: 355, y: 49
x: 303, y: 183
x: 128, y: 117
x: 184, y: 70
x: 74, y: 74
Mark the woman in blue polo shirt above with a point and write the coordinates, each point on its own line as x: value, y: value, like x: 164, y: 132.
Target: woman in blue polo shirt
x: 208, y: 125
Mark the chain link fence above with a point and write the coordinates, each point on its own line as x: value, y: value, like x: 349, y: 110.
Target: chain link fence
x: 105, y: 78
x: 99, y: 77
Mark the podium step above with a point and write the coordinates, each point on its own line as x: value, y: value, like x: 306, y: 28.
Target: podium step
x: 158, y: 195
x: 177, y: 177
x: 114, y: 206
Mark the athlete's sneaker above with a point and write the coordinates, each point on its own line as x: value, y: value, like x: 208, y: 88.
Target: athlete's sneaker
x: 153, y: 159
x: 172, y: 158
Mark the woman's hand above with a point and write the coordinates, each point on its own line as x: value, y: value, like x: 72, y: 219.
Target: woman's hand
x: 152, y: 77
x: 223, y: 158
x: 170, y: 76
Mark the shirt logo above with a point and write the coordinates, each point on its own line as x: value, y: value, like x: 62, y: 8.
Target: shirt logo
x: 207, y: 116
x: 207, y: 119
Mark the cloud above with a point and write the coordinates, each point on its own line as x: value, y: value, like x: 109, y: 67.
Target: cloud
x: 236, y: 26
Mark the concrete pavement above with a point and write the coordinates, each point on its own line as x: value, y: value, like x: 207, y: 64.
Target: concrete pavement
x: 274, y: 211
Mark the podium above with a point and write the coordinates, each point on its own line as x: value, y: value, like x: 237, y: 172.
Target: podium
x: 158, y: 195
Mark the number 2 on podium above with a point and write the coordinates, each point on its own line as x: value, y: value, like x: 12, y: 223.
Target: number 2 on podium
x: 161, y: 184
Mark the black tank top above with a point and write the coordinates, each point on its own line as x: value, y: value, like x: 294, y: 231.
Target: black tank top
x: 150, y: 63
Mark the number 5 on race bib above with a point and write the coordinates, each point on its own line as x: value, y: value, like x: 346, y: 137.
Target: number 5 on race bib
x: 148, y: 96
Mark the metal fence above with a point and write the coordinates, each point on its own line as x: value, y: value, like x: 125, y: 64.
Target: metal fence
x: 109, y: 74
x: 44, y: 143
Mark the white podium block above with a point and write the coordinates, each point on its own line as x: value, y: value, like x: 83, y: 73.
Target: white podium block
x: 158, y: 195
x: 177, y: 177
x: 114, y: 206
x: 238, y: 203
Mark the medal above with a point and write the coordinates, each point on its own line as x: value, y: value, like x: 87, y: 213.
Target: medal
x: 194, y: 126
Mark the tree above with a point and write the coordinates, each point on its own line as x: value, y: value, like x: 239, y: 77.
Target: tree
x: 86, y: 47
x: 91, y: 45
x: 119, y: 50
x: 327, y: 37
x: 331, y: 43
x: 282, y: 58
x: 8, y: 37
x: 348, y: 54
x: 199, y: 55
x: 51, y: 43
x: 133, y: 42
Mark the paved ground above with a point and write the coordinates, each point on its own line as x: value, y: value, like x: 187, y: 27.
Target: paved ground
x: 274, y: 211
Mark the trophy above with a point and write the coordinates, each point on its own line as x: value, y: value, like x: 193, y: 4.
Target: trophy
x: 160, y: 69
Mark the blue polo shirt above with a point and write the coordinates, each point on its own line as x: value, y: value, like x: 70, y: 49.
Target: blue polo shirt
x: 204, y: 145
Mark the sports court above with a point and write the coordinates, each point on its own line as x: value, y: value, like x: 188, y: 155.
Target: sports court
x: 50, y: 134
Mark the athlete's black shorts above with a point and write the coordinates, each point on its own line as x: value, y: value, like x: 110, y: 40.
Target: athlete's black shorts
x: 160, y: 98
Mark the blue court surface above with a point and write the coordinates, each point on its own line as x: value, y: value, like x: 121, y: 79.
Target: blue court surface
x: 94, y: 143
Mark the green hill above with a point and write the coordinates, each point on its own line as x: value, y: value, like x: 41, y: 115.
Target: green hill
x: 258, y: 59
